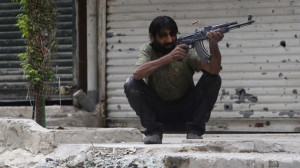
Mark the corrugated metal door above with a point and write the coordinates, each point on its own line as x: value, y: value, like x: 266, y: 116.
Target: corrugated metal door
x: 260, y: 88
x: 12, y: 82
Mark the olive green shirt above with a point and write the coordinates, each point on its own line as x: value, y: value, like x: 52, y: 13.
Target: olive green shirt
x: 172, y: 81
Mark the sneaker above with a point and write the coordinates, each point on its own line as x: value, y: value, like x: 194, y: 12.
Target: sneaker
x: 153, y: 138
x: 192, y: 135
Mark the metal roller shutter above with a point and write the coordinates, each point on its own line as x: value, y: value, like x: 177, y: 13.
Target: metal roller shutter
x: 12, y: 82
x: 260, y: 74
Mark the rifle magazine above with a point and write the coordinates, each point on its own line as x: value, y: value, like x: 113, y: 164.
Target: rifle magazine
x: 202, y: 52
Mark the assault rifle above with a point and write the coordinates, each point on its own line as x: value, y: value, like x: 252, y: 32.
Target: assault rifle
x: 195, y: 40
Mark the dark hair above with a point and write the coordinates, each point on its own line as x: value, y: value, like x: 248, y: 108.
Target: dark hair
x: 160, y: 23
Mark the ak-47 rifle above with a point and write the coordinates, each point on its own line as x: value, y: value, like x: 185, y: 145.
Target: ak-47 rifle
x: 195, y: 40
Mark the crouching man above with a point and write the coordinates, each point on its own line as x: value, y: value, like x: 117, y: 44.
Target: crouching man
x: 168, y: 95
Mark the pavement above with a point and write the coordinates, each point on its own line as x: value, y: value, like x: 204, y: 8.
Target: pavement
x: 123, y: 147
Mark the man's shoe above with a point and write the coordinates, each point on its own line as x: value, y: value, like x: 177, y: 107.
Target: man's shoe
x: 192, y: 135
x: 153, y: 138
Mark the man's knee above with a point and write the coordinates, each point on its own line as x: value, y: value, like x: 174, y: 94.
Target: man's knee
x: 134, y: 87
x: 130, y: 86
x: 129, y: 83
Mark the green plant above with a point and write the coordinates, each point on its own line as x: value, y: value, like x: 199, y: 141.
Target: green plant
x: 38, y: 24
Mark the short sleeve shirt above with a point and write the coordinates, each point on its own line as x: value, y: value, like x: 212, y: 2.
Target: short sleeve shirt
x: 172, y: 81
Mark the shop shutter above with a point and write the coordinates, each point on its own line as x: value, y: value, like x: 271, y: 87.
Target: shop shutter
x: 261, y: 70
x: 12, y: 81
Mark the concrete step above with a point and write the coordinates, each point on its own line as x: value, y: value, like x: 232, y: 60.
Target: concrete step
x: 214, y: 151
x: 123, y: 147
x: 177, y: 152
x: 236, y: 151
x: 232, y: 160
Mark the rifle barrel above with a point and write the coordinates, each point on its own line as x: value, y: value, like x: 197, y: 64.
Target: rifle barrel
x: 224, y: 25
x: 240, y: 25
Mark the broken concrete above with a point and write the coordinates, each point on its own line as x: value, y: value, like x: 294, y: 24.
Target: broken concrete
x: 27, y: 134
x: 93, y: 147
x: 64, y: 116
x: 234, y: 160
x: 214, y: 151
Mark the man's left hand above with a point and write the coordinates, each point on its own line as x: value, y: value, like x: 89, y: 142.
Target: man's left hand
x: 214, y: 37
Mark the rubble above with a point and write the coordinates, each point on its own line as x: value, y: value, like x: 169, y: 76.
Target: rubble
x: 106, y: 157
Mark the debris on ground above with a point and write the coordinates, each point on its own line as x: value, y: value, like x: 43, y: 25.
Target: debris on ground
x: 102, y: 157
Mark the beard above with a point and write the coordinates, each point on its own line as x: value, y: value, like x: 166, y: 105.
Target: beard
x: 161, y: 48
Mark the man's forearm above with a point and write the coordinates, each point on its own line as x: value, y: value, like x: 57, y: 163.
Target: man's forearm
x: 214, y: 65
x: 148, y: 68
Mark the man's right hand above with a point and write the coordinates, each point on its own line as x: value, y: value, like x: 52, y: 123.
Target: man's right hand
x: 148, y: 68
x: 178, y: 53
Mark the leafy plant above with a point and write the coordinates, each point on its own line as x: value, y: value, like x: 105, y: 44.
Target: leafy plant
x: 38, y: 24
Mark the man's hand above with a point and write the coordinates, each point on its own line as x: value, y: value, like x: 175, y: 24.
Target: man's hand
x: 214, y: 37
x: 178, y: 52
x: 148, y: 68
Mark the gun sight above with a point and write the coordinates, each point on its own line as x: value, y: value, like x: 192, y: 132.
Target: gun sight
x: 250, y: 17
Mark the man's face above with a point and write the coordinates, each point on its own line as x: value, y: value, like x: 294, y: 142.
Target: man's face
x: 164, y: 41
